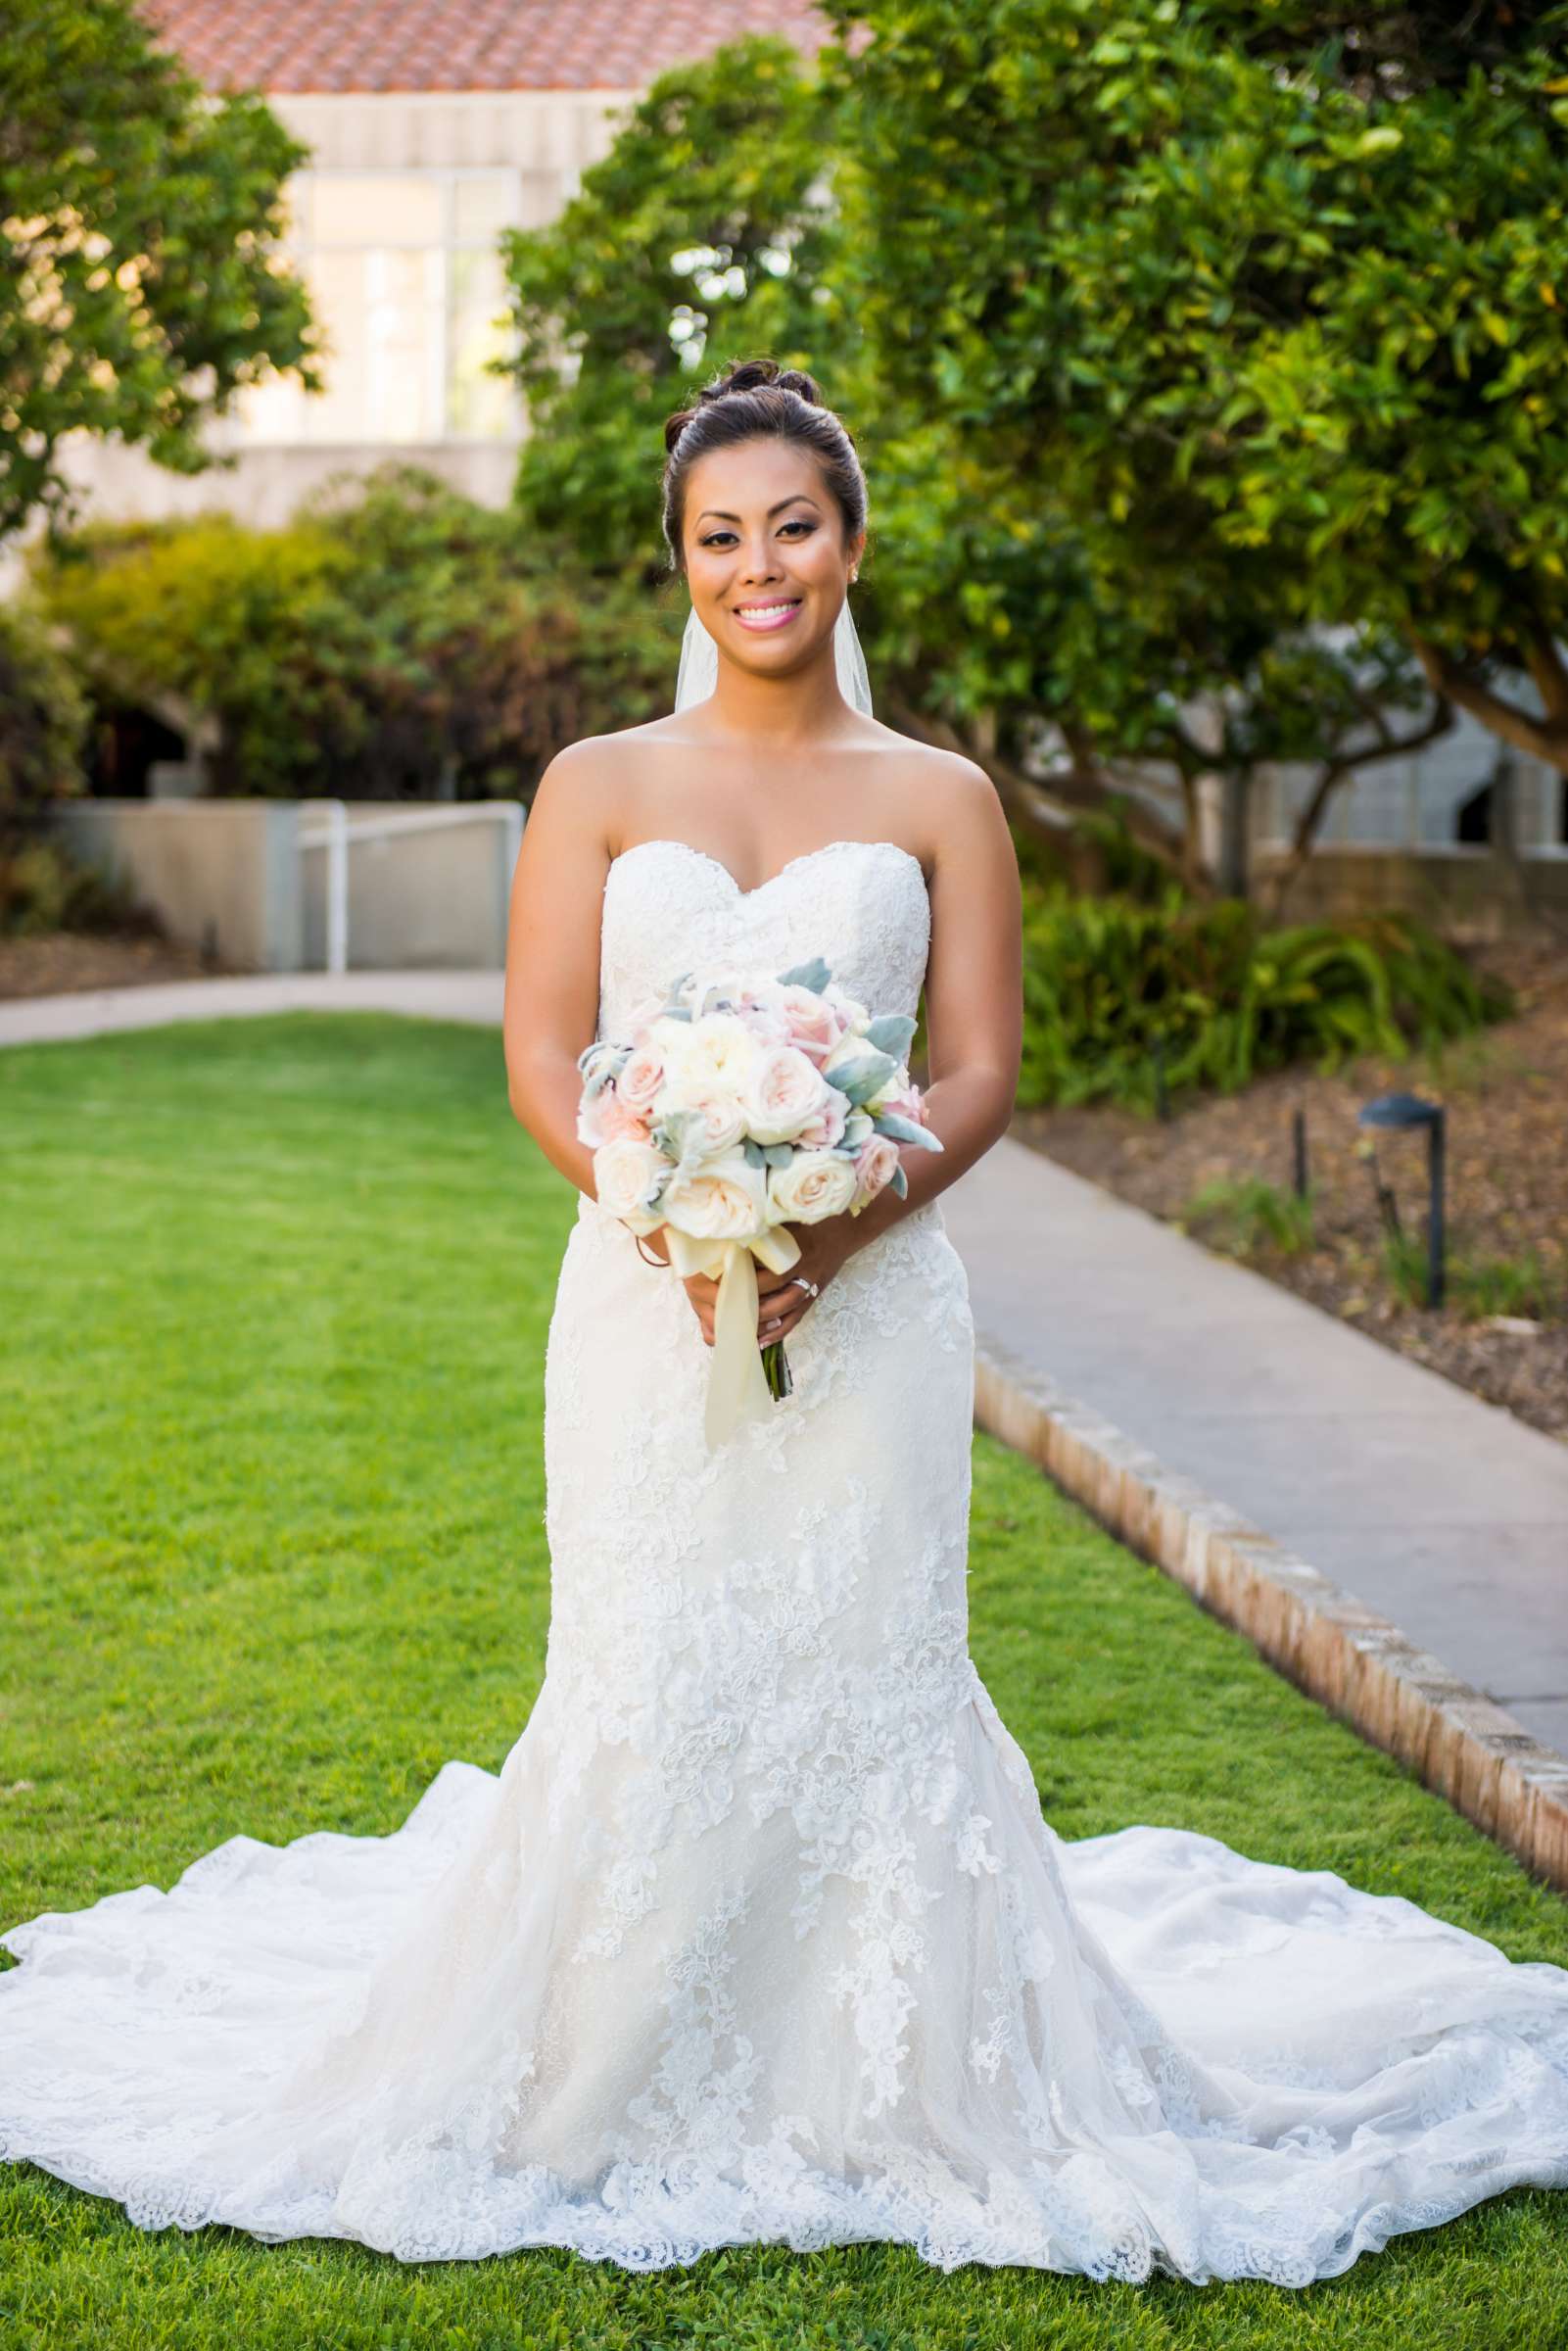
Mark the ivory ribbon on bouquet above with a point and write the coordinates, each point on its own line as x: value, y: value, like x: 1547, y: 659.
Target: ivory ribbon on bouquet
x: 738, y: 1385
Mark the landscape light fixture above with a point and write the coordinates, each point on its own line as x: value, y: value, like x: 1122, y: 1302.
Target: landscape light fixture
x: 1400, y: 1112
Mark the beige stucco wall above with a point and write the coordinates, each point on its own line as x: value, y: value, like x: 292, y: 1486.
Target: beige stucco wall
x: 217, y: 873
x: 429, y: 900
x: 548, y: 137
x: 232, y: 874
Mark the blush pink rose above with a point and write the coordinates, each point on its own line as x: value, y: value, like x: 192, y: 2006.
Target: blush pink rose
x: 875, y: 1164
x: 786, y: 1088
x: 905, y: 1104
x: 825, y: 1129
x: 608, y: 1119
x: 640, y: 1077
x: 814, y: 1026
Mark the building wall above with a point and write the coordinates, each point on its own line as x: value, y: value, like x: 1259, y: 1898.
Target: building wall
x: 436, y: 176
x: 241, y: 879
x: 1465, y: 893
x: 222, y: 874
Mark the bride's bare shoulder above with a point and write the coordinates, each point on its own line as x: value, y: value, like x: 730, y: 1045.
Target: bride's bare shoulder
x: 621, y: 743
x: 583, y: 799
x: 949, y: 799
x: 603, y: 758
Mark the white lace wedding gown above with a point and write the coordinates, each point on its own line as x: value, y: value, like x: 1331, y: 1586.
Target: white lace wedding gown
x: 759, y: 1934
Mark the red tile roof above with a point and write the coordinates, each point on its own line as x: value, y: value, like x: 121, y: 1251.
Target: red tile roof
x: 462, y: 44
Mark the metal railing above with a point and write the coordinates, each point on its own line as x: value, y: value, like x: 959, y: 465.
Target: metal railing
x: 337, y: 834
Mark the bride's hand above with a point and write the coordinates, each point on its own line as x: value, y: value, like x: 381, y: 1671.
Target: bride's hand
x: 701, y: 1288
x: 780, y: 1300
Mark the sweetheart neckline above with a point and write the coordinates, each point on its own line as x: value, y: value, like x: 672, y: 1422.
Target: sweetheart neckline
x: 805, y: 857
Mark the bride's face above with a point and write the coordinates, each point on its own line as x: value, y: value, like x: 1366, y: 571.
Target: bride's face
x: 766, y: 558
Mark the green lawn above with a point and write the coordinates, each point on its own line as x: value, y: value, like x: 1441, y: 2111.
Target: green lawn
x: 273, y: 1297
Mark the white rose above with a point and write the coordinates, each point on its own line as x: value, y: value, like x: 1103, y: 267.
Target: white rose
x: 723, y: 1116
x: 624, y: 1174
x: 669, y: 1038
x: 815, y: 1185
x: 720, y: 1054
x: 727, y: 1201
x: 786, y: 1092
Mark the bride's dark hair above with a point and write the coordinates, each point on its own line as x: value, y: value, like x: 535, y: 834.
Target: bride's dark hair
x: 754, y: 398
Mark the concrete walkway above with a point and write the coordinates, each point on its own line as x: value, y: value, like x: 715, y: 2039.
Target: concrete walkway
x: 94, y: 1011
x: 1442, y: 1512
x: 1438, y: 1512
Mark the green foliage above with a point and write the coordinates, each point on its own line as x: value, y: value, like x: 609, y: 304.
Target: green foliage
x: 704, y: 230
x: 1117, y: 993
x: 1264, y: 304
x: 1526, y: 1285
x: 43, y: 713
x: 716, y: 227
x: 139, y: 231
x: 392, y: 637
x: 43, y: 889
x: 1476, y: 1288
x: 1247, y: 1213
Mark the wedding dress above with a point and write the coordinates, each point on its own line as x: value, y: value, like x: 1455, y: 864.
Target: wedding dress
x: 759, y: 1933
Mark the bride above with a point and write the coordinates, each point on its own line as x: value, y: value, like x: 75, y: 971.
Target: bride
x: 759, y: 1934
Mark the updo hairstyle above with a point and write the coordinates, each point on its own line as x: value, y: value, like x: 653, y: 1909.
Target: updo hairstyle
x: 752, y: 398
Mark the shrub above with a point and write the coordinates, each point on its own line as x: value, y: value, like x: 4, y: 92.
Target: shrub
x: 43, y: 888
x: 43, y: 714
x: 1118, y: 994
x: 1247, y: 1215
x: 395, y: 638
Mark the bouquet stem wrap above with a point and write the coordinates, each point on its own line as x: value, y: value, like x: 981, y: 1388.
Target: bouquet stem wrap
x: 738, y: 1385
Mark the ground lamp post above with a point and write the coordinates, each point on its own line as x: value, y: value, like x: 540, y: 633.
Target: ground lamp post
x: 1404, y: 1110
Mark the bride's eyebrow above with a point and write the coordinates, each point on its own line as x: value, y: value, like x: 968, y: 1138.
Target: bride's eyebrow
x: 801, y: 497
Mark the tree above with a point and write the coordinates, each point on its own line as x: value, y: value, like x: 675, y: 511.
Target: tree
x: 139, y: 229
x: 1266, y: 303
x: 712, y: 229
x: 709, y: 216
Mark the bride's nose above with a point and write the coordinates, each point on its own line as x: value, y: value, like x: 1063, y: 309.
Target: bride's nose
x: 760, y: 566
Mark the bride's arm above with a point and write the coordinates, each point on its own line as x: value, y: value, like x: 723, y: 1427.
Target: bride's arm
x: 552, y: 953
x: 974, y: 999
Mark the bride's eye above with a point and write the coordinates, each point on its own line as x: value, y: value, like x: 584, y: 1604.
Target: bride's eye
x: 796, y: 522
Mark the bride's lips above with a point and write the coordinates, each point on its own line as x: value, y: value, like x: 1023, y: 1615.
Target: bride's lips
x: 774, y: 620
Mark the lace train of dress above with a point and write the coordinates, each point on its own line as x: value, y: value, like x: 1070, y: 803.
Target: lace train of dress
x: 759, y: 1934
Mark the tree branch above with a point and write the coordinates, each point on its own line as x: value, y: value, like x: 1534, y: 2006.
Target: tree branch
x: 1333, y: 774
x: 1550, y: 677
x: 1542, y: 738
x: 1038, y: 806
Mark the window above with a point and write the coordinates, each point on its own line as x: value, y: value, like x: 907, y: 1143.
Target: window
x: 407, y: 286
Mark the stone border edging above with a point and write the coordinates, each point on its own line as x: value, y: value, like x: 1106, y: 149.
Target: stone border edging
x: 1356, y: 1662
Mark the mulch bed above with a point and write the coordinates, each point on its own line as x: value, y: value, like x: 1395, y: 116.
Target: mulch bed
x: 1505, y: 1093
x: 60, y: 962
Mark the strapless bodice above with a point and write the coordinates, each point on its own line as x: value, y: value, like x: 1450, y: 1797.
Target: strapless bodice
x: 862, y: 905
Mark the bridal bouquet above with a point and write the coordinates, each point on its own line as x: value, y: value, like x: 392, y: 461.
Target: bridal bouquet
x: 744, y: 1103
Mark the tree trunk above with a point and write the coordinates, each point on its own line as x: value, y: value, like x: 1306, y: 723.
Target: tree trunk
x: 1233, y: 875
